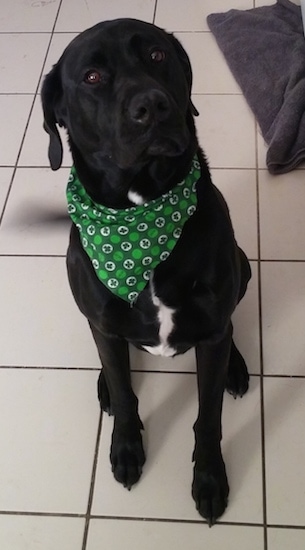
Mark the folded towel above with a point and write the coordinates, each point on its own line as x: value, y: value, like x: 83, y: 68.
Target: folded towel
x: 265, y: 50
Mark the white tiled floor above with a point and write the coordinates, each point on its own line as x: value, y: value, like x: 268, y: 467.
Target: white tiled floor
x: 56, y: 487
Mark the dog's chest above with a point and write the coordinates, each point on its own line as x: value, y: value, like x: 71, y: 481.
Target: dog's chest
x: 165, y: 316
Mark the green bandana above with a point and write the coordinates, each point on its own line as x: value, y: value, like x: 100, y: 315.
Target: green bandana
x: 126, y: 245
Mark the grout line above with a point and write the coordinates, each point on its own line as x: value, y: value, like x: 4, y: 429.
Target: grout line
x: 11, y: 255
x: 289, y: 376
x: 33, y: 166
x: 192, y: 373
x: 41, y: 514
x: 218, y: 94
x: 10, y: 33
x: 155, y: 12
x: 264, y: 478
x: 199, y: 521
x: 282, y: 261
x: 93, y: 477
x: 143, y: 371
x: 35, y: 32
x: 66, y: 166
x: 8, y: 193
x: 275, y: 526
x: 62, y: 368
x: 78, y: 31
x: 16, y: 93
x: 147, y: 519
x: 152, y: 371
x: 259, y: 275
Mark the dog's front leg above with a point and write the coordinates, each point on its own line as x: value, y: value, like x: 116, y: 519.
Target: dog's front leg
x: 210, y: 486
x: 117, y: 397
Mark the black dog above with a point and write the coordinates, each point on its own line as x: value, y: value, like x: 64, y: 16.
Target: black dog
x: 122, y: 89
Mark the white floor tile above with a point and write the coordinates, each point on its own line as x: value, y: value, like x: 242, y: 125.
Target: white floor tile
x: 34, y: 16
x: 36, y: 219
x: 285, y: 451
x: 21, y: 50
x: 281, y: 539
x: 141, y: 360
x: 282, y: 221
x: 176, y: 15
x: 226, y: 130
x: 129, y: 535
x: 211, y: 74
x: 283, y: 317
x: 41, y: 325
x: 49, y: 422
x: 37, y: 533
x: 239, y: 190
x: 35, y: 148
x: 168, y: 407
x: 90, y: 12
x: 10, y: 141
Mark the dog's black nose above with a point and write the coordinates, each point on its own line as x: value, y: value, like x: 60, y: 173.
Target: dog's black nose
x: 148, y: 107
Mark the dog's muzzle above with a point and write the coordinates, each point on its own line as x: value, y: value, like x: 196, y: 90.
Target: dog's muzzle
x: 151, y: 124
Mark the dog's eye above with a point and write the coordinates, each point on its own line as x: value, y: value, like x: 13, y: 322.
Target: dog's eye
x: 92, y: 77
x: 157, y: 56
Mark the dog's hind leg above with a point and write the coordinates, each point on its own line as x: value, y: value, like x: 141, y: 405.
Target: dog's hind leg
x: 115, y: 392
x: 103, y: 394
x: 238, y: 378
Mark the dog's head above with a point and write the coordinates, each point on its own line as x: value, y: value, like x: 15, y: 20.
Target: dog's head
x: 122, y: 90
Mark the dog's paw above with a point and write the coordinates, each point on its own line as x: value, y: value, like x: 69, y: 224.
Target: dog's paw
x: 103, y: 394
x: 237, y: 382
x: 210, y: 492
x: 127, y: 460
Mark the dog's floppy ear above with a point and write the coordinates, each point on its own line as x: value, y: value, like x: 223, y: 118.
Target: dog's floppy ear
x: 52, y: 97
x: 184, y: 59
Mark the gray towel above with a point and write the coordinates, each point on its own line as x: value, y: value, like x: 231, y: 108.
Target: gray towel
x: 265, y: 50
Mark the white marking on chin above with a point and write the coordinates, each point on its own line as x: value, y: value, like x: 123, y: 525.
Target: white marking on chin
x: 135, y: 197
x: 165, y: 317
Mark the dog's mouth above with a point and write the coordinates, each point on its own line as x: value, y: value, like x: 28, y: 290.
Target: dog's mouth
x: 158, y: 148
x: 153, y: 144
x: 168, y: 147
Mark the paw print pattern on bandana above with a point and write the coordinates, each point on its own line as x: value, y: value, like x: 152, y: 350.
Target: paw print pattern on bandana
x: 124, y: 246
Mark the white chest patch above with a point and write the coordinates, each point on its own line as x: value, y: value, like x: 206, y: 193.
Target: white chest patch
x: 134, y: 197
x: 165, y: 317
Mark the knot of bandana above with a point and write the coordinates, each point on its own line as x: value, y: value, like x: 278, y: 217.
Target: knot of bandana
x: 125, y: 245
